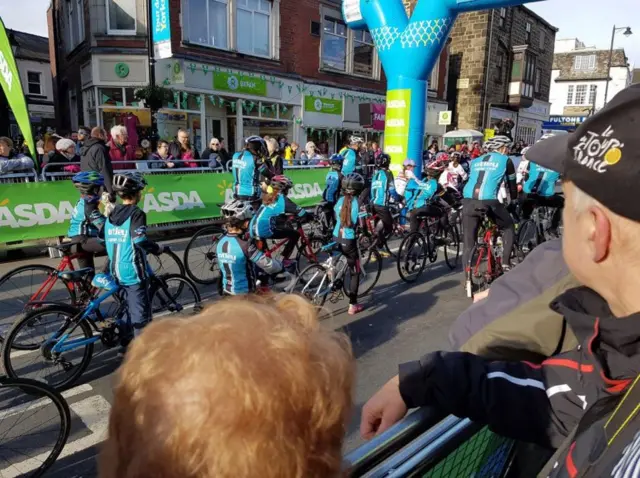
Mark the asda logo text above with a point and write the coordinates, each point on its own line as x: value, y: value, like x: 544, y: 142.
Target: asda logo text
x: 299, y: 191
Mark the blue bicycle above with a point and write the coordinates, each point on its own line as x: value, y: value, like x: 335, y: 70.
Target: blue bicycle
x: 57, y: 341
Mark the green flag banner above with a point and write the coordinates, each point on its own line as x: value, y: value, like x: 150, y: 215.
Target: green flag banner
x: 42, y: 210
x: 12, y: 87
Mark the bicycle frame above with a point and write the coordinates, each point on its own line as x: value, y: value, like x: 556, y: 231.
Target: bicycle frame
x: 488, y: 240
x: 305, y: 242
x: 48, y: 284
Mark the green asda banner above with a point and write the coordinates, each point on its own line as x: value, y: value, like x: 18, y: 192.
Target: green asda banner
x: 239, y: 83
x: 12, y: 87
x: 42, y: 210
x: 313, y: 104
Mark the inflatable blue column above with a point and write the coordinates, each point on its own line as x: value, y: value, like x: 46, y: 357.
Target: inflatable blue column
x: 408, y: 48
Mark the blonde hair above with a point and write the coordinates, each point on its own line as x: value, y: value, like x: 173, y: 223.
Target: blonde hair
x: 252, y: 387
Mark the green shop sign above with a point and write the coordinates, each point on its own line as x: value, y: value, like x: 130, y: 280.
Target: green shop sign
x: 42, y: 210
x: 313, y: 104
x: 237, y: 83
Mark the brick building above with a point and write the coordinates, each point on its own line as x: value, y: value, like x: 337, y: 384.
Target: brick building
x: 237, y: 67
x: 579, y: 80
x: 500, y: 67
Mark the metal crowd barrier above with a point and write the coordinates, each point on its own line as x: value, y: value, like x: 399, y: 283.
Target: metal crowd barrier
x: 426, y: 444
x: 26, y: 176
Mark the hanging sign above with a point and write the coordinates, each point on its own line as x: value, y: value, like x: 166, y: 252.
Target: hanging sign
x: 313, y: 104
x: 161, y: 29
x: 236, y: 83
x: 444, y: 117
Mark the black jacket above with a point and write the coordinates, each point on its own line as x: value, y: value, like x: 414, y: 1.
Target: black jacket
x: 214, y: 158
x: 544, y: 403
x: 277, y: 164
x: 175, y: 150
x: 94, y: 156
x: 60, y: 162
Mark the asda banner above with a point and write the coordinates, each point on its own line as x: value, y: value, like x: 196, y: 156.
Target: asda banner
x: 42, y: 210
x: 12, y: 87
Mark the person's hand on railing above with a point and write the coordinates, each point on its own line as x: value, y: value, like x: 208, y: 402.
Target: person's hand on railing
x: 382, y: 410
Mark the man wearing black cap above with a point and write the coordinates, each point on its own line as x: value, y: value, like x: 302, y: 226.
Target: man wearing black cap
x: 584, y: 402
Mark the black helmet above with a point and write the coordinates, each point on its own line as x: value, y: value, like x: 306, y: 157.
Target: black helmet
x: 257, y: 146
x: 382, y: 161
x: 353, y: 184
x: 128, y: 183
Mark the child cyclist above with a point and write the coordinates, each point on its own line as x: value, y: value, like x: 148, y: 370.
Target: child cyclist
x: 237, y: 256
x: 426, y: 200
x: 347, y: 211
x: 382, y: 190
x: 271, y: 219
x: 125, y: 237
x: 86, y: 219
x: 331, y: 192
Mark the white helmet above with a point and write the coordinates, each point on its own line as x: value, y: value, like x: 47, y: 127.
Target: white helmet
x: 355, y: 139
x: 237, y: 209
x: 524, y: 150
x: 498, y: 142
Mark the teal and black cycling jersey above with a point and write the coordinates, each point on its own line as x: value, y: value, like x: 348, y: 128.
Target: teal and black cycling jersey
x: 541, y: 181
x: 264, y: 223
x: 332, y: 189
x: 247, y: 171
x: 383, y: 188
x: 350, y: 161
x: 486, y: 174
x: 86, y: 218
x: 346, y: 232
x: 418, y: 194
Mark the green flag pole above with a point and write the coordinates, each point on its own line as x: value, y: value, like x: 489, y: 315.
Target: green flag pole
x: 12, y: 87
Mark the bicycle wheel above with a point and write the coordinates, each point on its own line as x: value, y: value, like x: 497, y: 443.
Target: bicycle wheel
x: 452, y: 247
x: 314, y: 284
x: 23, y: 285
x: 304, y: 259
x: 34, y: 430
x: 200, y: 255
x: 166, y: 263
x: 412, y: 257
x: 173, y: 293
x: 58, y: 370
x: 370, y: 270
x: 527, y: 238
x: 478, y: 274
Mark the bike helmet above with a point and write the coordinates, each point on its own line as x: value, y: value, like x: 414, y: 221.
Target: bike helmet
x: 257, y: 146
x: 281, y: 182
x: 355, y: 139
x: 407, y: 163
x: 434, y: 172
x: 353, y: 184
x: 88, y: 182
x: 498, y: 142
x: 237, y: 211
x: 524, y: 150
x: 336, y: 161
x: 546, y: 136
x: 128, y: 183
x: 382, y: 161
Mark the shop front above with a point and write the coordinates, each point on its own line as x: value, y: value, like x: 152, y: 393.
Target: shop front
x: 498, y: 114
x: 530, y: 121
x: 562, y: 123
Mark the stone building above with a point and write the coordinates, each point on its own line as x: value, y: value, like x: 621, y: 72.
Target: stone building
x: 500, y: 67
x: 579, y: 81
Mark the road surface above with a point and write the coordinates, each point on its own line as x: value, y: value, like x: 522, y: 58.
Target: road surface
x: 400, y: 323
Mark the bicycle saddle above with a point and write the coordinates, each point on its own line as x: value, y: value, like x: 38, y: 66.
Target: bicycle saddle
x: 65, y: 247
x: 76, y: 276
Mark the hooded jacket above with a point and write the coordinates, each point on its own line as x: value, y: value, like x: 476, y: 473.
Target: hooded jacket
x: 544, y: 403
x: 94, y: 157
x: 120, y: 154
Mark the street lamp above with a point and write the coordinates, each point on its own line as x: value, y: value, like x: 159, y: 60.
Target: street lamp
x: 627, y: 33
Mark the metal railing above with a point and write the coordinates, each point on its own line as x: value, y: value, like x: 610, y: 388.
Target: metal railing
x: 425, y: 443
x: 26, y: 176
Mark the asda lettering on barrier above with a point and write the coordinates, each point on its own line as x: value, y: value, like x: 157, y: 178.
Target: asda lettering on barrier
x: 166, y: 202
x: 299, y: 191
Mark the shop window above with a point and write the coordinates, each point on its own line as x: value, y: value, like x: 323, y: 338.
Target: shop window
x: 285, y: 112
x: 111, y: 96
x: 362, y: 53
x: 130, y: 96
x: 268, y: 110
x: 121, y: 17
x: 34, y: 80
x: 334, y: 44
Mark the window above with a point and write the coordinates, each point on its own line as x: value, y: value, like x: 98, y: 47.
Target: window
x: 536, y: 86
x: 593, y: 90
x: 541, y: 40
x: 502, y: 16
x: 581, y: 95
x: 528, y: 33
x: 253, y: 20
x: 584, y: 62
x: 363, y: 53
x: 432, y: 82
x: 500, y: 59
x: 334, y: 44
x: 34, y: 83
x: 207, y: 22
x: 121, y: 17
x: 80, y: 19
x: 570, y: 95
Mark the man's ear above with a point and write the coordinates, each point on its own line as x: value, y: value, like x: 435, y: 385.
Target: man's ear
x: 600, y: 233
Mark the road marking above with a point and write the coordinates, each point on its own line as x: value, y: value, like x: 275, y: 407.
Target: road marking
x: 94, y: 413
x: 44, y: 401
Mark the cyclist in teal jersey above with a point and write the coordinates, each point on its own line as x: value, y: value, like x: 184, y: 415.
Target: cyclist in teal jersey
x: 383, y: 189
x: 350, y: 155
x: 481, y: 192
x: 331, y: 193
x: 539, y: 189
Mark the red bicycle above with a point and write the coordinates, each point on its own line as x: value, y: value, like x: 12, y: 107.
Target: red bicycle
x: 368, y: 236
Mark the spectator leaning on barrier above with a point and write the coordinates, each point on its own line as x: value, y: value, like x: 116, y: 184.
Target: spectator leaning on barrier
x: 225, y: 157
x: 277, y: 163
x: 63, y: 158
x: 94, y: 156
x: 182, y: 149
x: 161, y: 159
x: 119, y: 150
x: 584, y: 402
x: 212, y: 153
x: 10, y: 161
x: 231, y: 416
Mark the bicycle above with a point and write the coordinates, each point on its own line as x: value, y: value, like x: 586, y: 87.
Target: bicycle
x: 331, y: 279
x: 27, y: 287
x: 66, y: 343
x: 369, y: 235
x: 29, y: 450
x: 485, y: 258
x: 535, y: 230
x: 421, y: 245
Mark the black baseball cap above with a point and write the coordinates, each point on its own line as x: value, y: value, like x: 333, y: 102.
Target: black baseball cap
x: 602, y: 157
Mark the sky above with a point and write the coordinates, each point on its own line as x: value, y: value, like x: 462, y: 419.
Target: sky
x: 589, y: 20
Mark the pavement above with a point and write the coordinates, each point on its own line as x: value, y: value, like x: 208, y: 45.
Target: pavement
x: 400, y: 323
